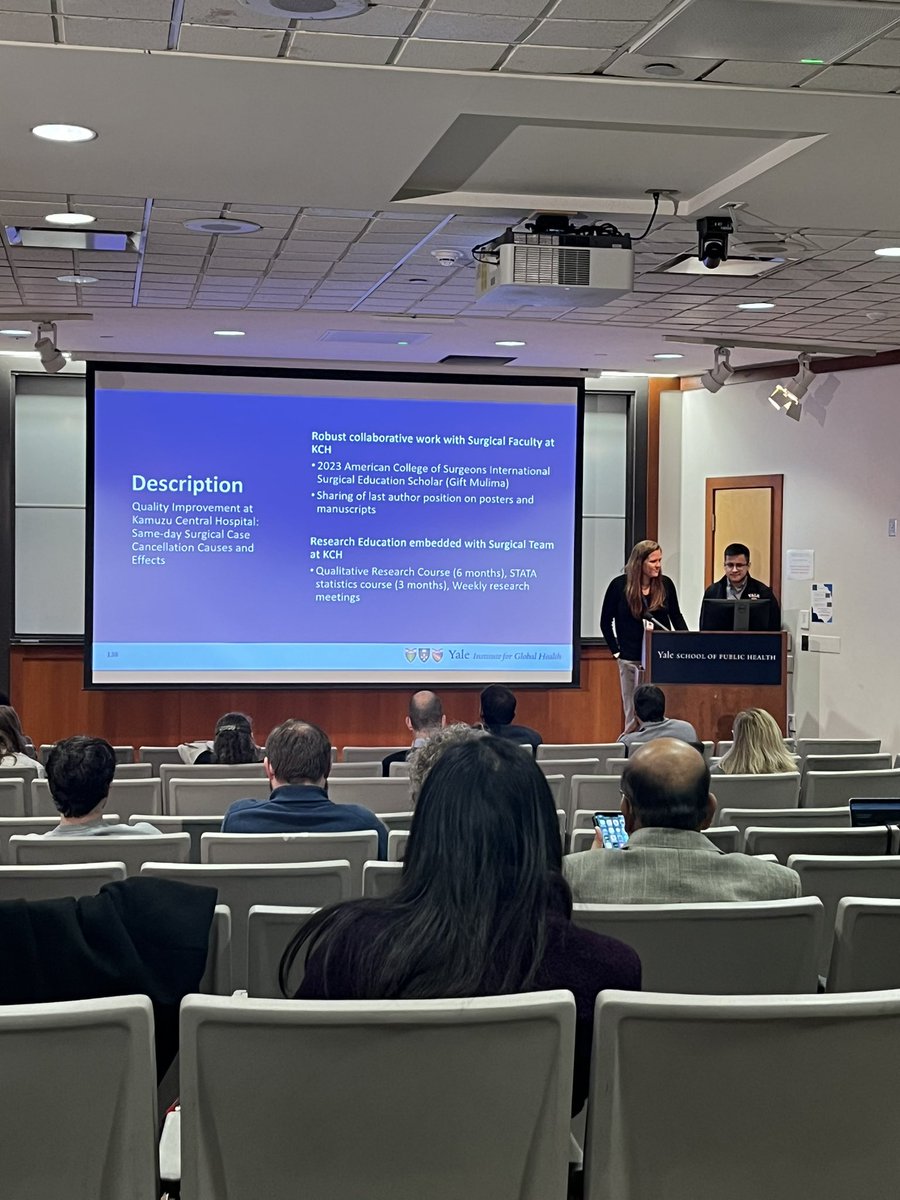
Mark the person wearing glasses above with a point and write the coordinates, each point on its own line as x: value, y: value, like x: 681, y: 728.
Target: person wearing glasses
x: 738, y: 584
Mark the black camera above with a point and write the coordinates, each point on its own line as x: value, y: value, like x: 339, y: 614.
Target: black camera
x: 712, y: 236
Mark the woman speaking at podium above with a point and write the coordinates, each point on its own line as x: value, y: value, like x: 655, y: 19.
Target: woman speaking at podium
x: 640, y: 598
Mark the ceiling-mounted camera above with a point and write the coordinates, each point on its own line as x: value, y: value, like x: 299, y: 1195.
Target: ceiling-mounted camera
x: 712, y: 239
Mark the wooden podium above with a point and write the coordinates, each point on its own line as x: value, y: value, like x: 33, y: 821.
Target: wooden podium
x: 709, y: 677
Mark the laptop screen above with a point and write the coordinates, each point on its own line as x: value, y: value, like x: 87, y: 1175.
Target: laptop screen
x: 880, y: 811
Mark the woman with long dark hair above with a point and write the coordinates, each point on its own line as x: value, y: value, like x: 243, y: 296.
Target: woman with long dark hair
x: 232, y: 743
x: 481, y: 909
x: 13, y: 744
x: 640, y: 593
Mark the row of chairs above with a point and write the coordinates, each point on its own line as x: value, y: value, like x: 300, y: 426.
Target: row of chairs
x: 459, y: 1098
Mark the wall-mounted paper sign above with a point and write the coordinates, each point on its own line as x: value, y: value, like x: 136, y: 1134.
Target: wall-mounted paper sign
x: 822, y: 603
x: 800, y: 564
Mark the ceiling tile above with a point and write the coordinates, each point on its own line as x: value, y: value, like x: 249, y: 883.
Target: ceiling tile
x: 501, y: 8
x: 463, y: 27
x: 756, y: 74
x: 855, y: 79
x: 226, y: 12
x: 36, y: 6
x: 145, y: 10
x: 25, y: 27
x: 129, y: 35
x: 631, y: 66
x: 610, y: 10
x: 883, y: 53
x: 456, y: 56
x: 248, y: 43
x: 340, y: 48
x: 578, y: 34
x: 382, y: 20
x: 553, y: 60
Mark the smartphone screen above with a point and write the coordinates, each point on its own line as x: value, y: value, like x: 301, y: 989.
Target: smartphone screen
x: 612, y: 830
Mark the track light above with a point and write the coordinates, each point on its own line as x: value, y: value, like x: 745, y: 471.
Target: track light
x: 720, y: 373
x: 787, y: 397
x: 45, y: 344
x: 712, y: 240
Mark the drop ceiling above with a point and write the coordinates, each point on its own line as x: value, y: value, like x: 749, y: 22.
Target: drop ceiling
x: 362, y: 146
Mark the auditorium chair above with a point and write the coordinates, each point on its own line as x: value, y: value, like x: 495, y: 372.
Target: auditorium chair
x: 26, y: 774
x: 189, y: 797
x: 599, y: 750
x: 12, y: 798
x: 614, y: 766
x: 269, y: 929
x: 845, y: 762
x: 395, y: 820
x: 195, y: 827
x: 217, y: 975
x: 369, y: 753
x: 781, y: 818
x: 131, y: 850
x: 124, y: 754
x: 864, y: 953
x: 593, y: 793
x: 55, y: 881
x: 356, y: 770
x: 399, y: 770
x: 155, y: 756
x: 778, y: 790
x: 380, y: 879
x: 357, y: 848
x: 22, y: 826
x: 397, y: 840
x: 377, y: 795
x: 838, y: 746
x: 722, y: 748
x: 248, y: 771
x: 787, y: 841
x: 126, y: 796
x: 828, y: 789
x: 726, y: 838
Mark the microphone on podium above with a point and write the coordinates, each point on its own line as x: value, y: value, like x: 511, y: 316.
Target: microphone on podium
x: 648, y: 616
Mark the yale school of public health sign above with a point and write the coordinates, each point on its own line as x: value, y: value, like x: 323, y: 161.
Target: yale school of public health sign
x: 735, y: 658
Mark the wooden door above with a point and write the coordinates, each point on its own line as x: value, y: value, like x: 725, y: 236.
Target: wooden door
x: 745, y: 508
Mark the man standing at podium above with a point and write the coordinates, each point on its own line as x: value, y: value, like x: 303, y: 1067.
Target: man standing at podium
x: 738, y: 584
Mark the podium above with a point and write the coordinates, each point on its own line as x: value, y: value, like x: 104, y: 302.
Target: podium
x: 709, y: 677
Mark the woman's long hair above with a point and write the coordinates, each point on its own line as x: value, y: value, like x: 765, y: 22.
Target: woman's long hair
x: 482, y: 870
x: 758, y: 747
x: 633, y: 576
x: 233, y: 741
x: 12, y: 739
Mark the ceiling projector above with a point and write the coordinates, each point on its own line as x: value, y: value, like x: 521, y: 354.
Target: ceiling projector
x: 554, y: 264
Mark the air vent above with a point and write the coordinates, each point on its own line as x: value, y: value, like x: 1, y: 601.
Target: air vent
x: 567, y: 266
x: 477, y: 360
x: 72, y: 239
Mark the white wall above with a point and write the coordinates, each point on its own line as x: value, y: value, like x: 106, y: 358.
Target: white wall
x: 841, y: 485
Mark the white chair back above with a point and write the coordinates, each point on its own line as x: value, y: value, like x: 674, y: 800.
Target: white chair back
x: 593, y: 793
x: 133, y: 770
x: 22, y: 826
x: 580, y: 840
x: 846, y: 762
x: 803, y: 1090
x: 864, y: 953
x: 55, y: 882
x: 370, y: 753
x: 131, y: 849
x: 396, y: 821
x: 838, y: 746
x: 84, y: 1069
x: 12, y: 798
x: 208, y: 797
x: 829, y: 789
x: 399, y: 770
x: 781, y: 790
x: 207, y: 771
x: 765, y: 946
x: 614, y: 766
x: 727, y: 838
x: 269, y: 930
x: 124, y: 754
x: 397, y: 839
x: 380, y: 879
x: 377, y: 795
x: 780, y: 818
x: 315, y: 885
x: 422, y: 1100
x: 557, y: 785
x: 599, y: 750
x: 798, y: 840
x: 217, y: 975
x: 25, y: 774
x: 723, y: 747
x: 157, y: 755
x: 357, y: 848
x: 356, y: 770
x: 195, y: 827
x: 831, y: 878
x: 126, y: 796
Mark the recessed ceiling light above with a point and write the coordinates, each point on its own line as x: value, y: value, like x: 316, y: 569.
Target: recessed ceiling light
x: 229, y: 332
x: 668, y: 356
x: 663, y: 70
x: 308, y: 10
x: 76, y: 278
x: 813, y: 62
x: 220, y: 225
x: 15, y: 332
x: 64, y: 133
x: 756, y: 306
x: 889, y: 251
x: 403, y: 343
x: 70, y: 219
x: 509, y: 342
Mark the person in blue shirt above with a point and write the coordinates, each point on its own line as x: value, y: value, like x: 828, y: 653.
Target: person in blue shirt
x: 297, y: 762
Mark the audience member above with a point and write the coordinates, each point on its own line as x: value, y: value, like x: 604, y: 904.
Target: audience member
x: 481, y: 908
x: 79, y: 772
x: 232, y: 743
x: 758, y: 747
x: 422, y: 760
x: 297, y: 762
x: 666, y: 803
x: 424, y: 719
x: 138, y: 936
x: 14, y: 746
x: 650, y: 710
x: 498, y: 710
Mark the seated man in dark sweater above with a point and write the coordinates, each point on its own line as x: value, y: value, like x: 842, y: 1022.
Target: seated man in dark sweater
x: 297, y: 762
x: 498, y: 710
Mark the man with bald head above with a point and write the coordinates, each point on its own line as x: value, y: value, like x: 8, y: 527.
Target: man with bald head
x: 666, y: 803
x: 424, y: 718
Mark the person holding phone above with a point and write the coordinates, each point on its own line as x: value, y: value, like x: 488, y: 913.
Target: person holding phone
x: 481, y: 909
x: 641, y: 596
x: 666, y: 805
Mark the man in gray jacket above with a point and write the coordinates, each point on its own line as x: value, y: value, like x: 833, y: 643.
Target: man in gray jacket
x: 667, y: 803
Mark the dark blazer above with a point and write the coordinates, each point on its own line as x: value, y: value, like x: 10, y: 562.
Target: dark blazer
x: 755, y: 590
x: 627, y: 639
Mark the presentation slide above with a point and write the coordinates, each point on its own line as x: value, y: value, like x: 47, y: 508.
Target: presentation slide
x: 329, y: 527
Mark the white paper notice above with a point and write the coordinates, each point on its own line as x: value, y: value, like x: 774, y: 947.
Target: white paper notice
x: 801, y: 564
x: 822, y: 603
